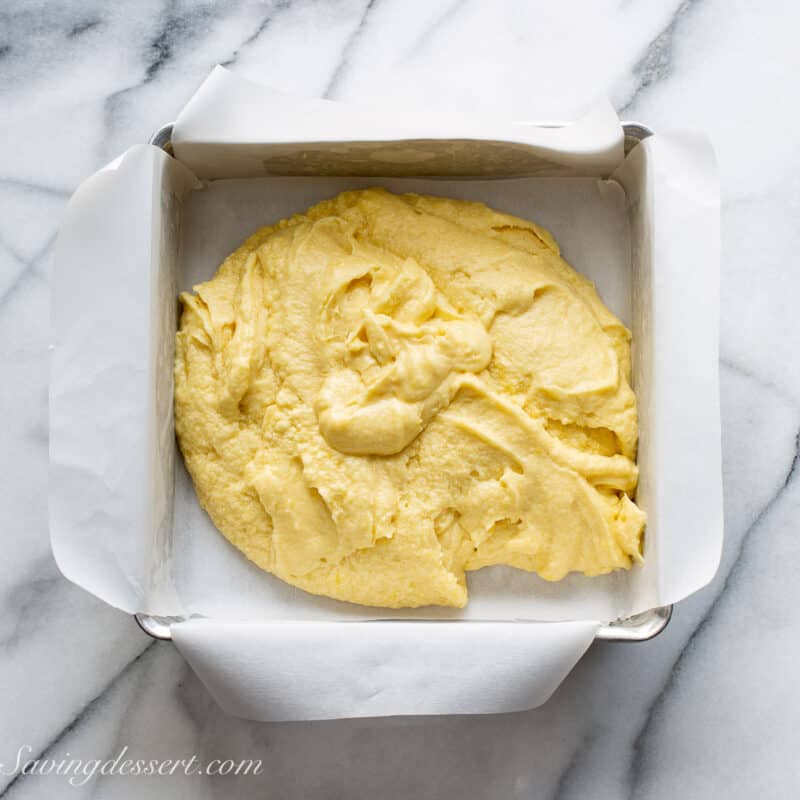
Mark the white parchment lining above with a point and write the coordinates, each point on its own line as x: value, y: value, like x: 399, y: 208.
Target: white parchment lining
x: 644, y: 229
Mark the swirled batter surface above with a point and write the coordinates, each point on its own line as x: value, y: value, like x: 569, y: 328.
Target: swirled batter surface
x: 385, y: 391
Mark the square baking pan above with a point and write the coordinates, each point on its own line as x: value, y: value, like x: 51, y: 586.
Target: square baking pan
x: 639, y: 627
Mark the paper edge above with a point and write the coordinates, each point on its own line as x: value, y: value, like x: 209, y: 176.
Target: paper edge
x: 119, y: 592
x: 243, y: 690
x: 199, y: 124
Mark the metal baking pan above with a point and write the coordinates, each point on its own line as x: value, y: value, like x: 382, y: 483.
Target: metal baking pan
x: 637, y: 628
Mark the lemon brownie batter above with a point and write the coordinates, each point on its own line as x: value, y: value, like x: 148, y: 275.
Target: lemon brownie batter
x: 385, y: 391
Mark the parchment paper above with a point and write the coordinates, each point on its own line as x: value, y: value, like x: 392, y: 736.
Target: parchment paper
x: 268, y: 651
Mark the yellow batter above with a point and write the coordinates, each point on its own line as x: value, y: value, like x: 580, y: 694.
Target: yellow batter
x: 385, y: 391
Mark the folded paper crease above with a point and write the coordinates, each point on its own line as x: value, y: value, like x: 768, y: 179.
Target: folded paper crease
x: 391, y: 667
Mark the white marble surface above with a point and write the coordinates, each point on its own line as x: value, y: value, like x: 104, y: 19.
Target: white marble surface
x: 708, y: 709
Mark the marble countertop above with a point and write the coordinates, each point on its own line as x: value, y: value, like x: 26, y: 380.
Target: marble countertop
x: 709, y: 708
